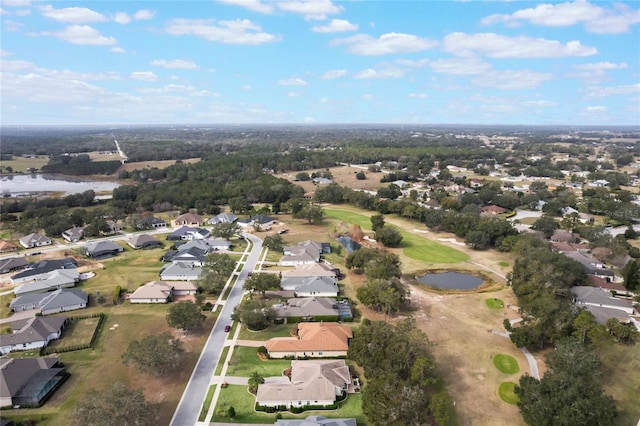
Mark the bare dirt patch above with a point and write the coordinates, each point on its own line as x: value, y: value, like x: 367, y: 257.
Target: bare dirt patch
x: 163, y: 164
x: 343, y: 176
x: 459, y: 326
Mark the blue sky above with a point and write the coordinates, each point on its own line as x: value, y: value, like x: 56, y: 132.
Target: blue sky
x: 320, y: 61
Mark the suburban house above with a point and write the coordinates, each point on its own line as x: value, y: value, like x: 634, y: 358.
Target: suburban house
x: 192, y: 256
x: 313, y: 308
x: 311, y: 270
x: 73, y: 235
x: 188, y: 219
x: 316, y: 421
x: 306, y: 252
x: 53, y: 280
x: 7, y: 246
x: 493, y: 210
x: 313, y: 382
x: 222, y: 218
x: 39, y: 270
x: 102, y: 249
x: 32, y: 333
x: 52, y: 302
x: 29, y: 382
x: 311, y: 286
x: 315, y: 340
x: 604, y: 306
x: 264, y: 222
x: 12, y: 264
x: 114, y: 227
x: 143, y: 241
x: 34, y: 240
x: 188, y: 233
x: 161, y: 291
x: 153, y: 222
x: 179, y: 272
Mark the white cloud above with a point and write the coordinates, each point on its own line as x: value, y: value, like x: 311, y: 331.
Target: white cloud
x: 595, y: 18
x: 371, y: 73
x: 240, y: 31
x: 16, y: 3
x: 122, y: 18
x: 311, y: 9
x: 143, y: 75
x: 417, y: 95
x: 117, y: 49
x: 293, y: 81
x: 367, y: 97
x: 598, y: 108
x: 511, y: 79
x: 82, y: 35
x: 175, y: 64
x: 15, y: 65
x: 144, y: 15
x: 500, y: 46
x: 294, y: 94
x: 601, y: 66
x: 411, y: 63
x: 335, y: 26
x: 254, y: 5
x: 246, y: 87
x: 460, y: 66
x: 72, y: 15
x: 539, y: 104
x: 390, y: 43
x: 333, y: 74
x: 599, y: 92
x: 4, y: 52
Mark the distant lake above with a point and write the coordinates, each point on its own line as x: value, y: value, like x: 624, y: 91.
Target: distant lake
x: 451, y: 281
x: 24, y: 185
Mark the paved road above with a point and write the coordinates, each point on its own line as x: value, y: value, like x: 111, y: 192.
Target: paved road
x: 190, y: 404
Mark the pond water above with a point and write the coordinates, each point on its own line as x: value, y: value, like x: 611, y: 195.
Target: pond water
x: 25, y: 185
x: 348, y: 243
x: 451, y: 281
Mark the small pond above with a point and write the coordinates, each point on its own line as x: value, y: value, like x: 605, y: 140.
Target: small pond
x: 451, y: 281
x: 348, y: 243
x: 32, y: 184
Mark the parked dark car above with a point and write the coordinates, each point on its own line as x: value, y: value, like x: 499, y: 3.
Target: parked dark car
x: 227, y: 328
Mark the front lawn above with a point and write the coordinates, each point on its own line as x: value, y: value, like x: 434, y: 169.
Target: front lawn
x: 274, y: 330
x: 245, y: 361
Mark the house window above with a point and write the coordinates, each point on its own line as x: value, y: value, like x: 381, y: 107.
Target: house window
x: 320, y: 353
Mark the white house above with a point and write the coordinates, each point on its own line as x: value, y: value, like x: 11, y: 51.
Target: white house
x: 34, y: 240
x: 33, y: 333
x: 179, y: 272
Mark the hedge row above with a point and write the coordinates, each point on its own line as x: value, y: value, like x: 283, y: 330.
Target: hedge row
x: 295, y: 410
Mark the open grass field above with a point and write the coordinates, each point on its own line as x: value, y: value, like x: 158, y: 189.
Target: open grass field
x: 413, y: 246
x: 275, y: 330
x: 160, y: 164
x: 21, y: 164
x: 343, y: 176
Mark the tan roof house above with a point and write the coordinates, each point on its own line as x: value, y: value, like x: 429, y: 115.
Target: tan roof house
x: 315, y: 339
x: 161, y: 291
x: 310, y: 270
x: 188, y: 219
x: 313, y: 382
x: 6, y: 246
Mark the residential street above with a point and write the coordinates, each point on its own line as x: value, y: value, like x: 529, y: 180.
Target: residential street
x: 190, y: 404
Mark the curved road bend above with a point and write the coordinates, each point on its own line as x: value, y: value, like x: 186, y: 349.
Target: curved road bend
x: 190, y: 404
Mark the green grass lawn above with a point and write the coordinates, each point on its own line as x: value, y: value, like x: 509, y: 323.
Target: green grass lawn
x: 207, y: 403
x: 245, y: 361
x: 507, y: 393
x: 494, y: 303
x: 223, y: 358
x: 413, y: 246
x: 77, y: 332
x: 506, y: 363
x: 620, y: 378
x: 274, y: 330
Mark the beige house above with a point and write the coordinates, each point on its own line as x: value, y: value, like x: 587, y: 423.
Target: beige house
x: 313, y: 382
x: 188, y: 219
x: 310, y: 270
x: 315, y: 339
x: 162, y: 291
